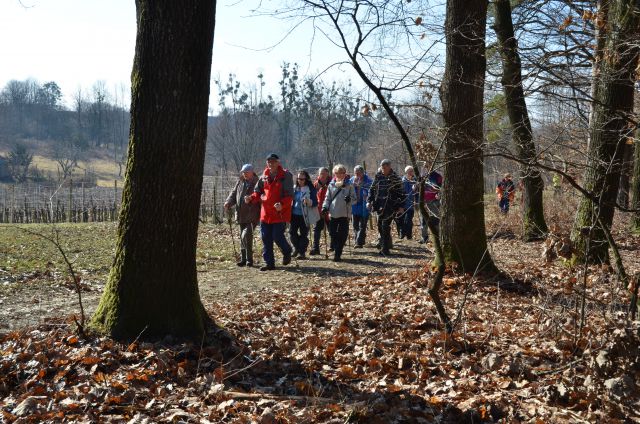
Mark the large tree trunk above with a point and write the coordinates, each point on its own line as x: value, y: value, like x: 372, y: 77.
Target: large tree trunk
x: 462, y: 227
x: 608, y: 128
x: 535, y: 226
x: 635, y: 187
x: 152, y: 288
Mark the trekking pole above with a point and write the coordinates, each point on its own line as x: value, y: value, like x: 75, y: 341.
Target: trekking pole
x: 255, y: 243
x: 324, y: 230
x: 233, y: 239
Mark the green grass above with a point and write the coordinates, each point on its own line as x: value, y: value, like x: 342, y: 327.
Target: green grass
x: 90, y: 247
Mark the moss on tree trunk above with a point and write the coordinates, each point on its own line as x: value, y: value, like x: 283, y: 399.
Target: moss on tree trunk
x: 609, y: 129
x: 462, y: 226
x: 635, y: 187
x: 152, y: 287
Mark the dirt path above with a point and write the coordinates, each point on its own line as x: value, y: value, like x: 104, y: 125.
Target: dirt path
x: 29, y: 298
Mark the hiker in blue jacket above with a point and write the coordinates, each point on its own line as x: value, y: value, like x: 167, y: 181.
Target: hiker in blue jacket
x: 359, y: 212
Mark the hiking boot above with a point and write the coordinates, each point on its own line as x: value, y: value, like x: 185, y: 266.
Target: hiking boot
x: 384, y: 252
x: 249, y: 263
x: 337, y: 259
x: 267, y: 268
x: 302, y: 257
x: 286, y: 260
x: 242, y: 262
x: 294, y: 253
x: 314, y: 251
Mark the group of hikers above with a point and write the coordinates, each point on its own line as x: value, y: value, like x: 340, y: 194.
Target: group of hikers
x: 334, y: 201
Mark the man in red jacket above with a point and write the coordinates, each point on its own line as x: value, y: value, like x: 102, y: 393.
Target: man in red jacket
x: 275, y: 192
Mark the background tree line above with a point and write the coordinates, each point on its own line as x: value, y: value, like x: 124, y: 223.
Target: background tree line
x: 98, y: 118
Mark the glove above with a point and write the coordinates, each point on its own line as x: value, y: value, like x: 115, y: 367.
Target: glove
x: 347, y: 198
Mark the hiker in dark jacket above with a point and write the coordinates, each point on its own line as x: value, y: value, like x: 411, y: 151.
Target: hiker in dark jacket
x: 321, y: 185
x: 386, y: 198
x: 305, y: 210
x: 361, y: 185
x: 404, y: 222
x: 247, y: 214
x: 274, y: 192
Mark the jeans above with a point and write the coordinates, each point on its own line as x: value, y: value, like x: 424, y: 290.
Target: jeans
x: 504, y: 204
x: 273, y: 233
x: 299, y: 233
x: 339, y: 232
x: 405, y: 223
x: 360, y: 229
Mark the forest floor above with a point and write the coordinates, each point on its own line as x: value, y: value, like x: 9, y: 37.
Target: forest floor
x: 357, y: 341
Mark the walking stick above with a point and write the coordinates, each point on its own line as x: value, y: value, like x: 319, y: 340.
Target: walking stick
x: 233, y: 239
x: 253, y: 236
x: 324, y: 230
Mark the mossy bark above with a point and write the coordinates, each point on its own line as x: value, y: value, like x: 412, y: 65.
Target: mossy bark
x: 635, y: 186
x: 152, y: 287
x: 609, y: 129
x: 535, y: 226
x: 462, y: 226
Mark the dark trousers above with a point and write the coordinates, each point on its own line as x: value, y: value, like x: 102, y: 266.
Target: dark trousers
x: 317, y: 233
x: 360, y: 229
x: 273, y: 233
x: 405, y: 223
x: 385, y: 218
x: 504, y: 204
x: 339, y: 228
x: 299, y: 233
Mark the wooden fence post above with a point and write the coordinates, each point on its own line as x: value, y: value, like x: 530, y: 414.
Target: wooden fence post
x: 115, y: 200
x: 82, y: 208
x: 70, y: 214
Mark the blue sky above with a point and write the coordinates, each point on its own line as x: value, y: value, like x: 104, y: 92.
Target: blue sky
x: 78, y: 42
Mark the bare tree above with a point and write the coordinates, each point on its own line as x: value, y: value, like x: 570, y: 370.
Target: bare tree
x: 18, y: 161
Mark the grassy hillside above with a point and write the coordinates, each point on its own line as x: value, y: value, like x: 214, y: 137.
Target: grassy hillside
x: 97, y: 161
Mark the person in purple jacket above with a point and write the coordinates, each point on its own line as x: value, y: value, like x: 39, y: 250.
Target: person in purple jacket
x: 432, y: 203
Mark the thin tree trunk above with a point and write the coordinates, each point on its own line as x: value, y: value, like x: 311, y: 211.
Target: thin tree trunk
x: 609, y: 129
x: 625, y: 175
x: 462, y: 227
x: 535, y: 226
x: 152, y: 287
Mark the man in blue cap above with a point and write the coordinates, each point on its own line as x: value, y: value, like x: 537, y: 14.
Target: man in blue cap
x: 247, y: 214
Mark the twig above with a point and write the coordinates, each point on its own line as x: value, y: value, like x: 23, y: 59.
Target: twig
x: 56, y: 242
x: 130, y: 347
